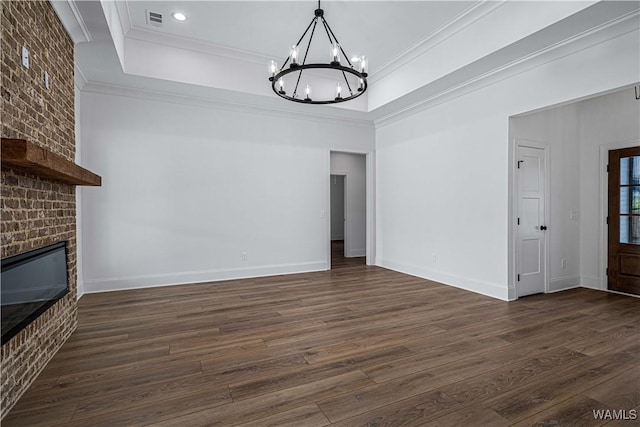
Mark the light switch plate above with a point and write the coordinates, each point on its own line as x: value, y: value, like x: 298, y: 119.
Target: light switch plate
x: 46, y: 80
x: 25, y: 57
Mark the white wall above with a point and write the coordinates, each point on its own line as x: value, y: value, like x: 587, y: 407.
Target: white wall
x: 443, y: 174
x: 337, y: 207
x: 187, y: 188
x: 558, y: 129
x: 354, y: 167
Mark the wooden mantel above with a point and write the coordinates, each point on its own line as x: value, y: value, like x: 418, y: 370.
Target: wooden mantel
x: 27, y: 157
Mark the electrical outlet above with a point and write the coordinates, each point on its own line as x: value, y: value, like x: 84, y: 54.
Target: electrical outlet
x: 25, y: 57
x: 243, y: 256
x: 563, y: 263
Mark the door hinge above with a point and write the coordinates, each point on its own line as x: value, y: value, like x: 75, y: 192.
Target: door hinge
x: 518, y: 221
x: 606, y: 271
x: 519, y: 161
x: 607, y: 220
x: 518, y: 277
x: 607, y: 168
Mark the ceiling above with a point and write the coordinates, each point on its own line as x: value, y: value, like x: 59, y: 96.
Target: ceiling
x: 269, y: 29
x: 418, y: 50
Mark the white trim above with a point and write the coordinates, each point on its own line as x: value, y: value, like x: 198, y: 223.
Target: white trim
x: 71, y: 20
x: 564, y: 283
x: 327, y: 222
x: 599, y: 34
x: 124, y: 15
x: 603, y: 246
x: 357, y: 253
x: 466, y: 18
x: 347, y: 241
x: 622, y: 293
x: 79, y: 78
x: 189, y: 277
x: 370, y: 250
x: 493, y: 290
x: 203, y: 102
x: 590, y: 282
x: 194, y: 45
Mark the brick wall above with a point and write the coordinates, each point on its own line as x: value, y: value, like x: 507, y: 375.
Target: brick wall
x: 36, y: 212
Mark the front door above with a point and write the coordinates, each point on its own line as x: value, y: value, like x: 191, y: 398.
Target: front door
x: 624, y: 220
x: 531, y: 268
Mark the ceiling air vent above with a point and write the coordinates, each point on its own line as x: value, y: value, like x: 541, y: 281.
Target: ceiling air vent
x: 154, y: 18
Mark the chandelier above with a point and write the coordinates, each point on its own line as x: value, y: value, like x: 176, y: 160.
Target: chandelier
x: 355, y: 79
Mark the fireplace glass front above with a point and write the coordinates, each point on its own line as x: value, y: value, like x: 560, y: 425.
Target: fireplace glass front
x: 31, y: 283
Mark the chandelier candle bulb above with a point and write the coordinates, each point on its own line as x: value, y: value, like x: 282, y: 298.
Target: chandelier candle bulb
x: 335, y: 53
x: 364, y: 65
x: 307, y: 92
x: 281, y: 86
x: 338, y: 91
x: 294, y: 56
x: 360, y: 85
x: 273, y: 69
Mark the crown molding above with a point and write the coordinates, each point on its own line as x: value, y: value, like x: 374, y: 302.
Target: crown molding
x: 195, y: 45
x: 124, y: 15
x: 216, y: 104
x: 71, y: 19
x: 79, y: 78
x: 596, y: 35
x: 466, y: 18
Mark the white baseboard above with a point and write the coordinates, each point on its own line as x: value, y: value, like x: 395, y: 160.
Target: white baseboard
x: 563, y: 283
x: 190, y: 277
x: 79, y: 288
x: 590, y: 282
x: 357, y: 253
x: 468, y: 284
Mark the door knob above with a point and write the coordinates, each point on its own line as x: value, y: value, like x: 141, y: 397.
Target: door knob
x: 543, y: 227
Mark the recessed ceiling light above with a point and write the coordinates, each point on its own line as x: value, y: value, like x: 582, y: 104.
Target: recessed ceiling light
x: 179, y: 16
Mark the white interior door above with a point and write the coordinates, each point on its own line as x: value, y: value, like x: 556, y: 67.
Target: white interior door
x: 531, y: 268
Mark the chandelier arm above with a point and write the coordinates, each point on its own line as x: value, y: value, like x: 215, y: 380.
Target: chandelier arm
x: 304, y: 60
x: 303, y: 34
x: 336, y: 39
x: 307, y: 30
x: 347, y: 82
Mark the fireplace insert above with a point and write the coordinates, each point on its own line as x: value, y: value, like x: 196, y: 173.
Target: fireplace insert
x: 31, y: 283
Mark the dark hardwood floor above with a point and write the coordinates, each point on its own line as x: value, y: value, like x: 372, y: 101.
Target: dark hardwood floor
x: 355, y: 346
x: 338, y: 260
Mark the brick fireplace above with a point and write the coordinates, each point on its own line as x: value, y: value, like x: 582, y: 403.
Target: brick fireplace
x: 37, y: 211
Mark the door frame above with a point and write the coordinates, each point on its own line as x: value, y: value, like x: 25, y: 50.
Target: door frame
x: 513, y: 259
x: 370, y: 162
x: 601, y: 283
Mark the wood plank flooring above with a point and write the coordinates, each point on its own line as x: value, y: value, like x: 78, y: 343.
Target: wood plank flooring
x: 355, y: 346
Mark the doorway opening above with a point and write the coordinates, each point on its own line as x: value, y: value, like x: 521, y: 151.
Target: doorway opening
x: 623, y: 253
x: 348, y: 210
